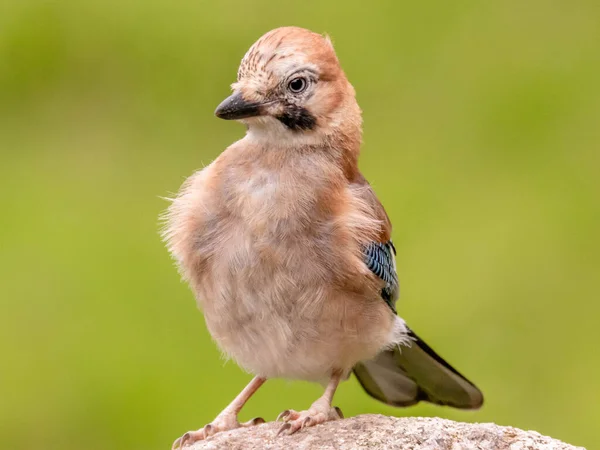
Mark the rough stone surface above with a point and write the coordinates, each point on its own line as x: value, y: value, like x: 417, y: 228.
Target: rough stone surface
x: 376, y: 432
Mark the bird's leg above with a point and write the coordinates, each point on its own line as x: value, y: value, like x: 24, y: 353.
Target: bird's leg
x: 320, y: 411
x: 227, y: 419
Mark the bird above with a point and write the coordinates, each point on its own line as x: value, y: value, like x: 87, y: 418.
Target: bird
x: 288, y: 250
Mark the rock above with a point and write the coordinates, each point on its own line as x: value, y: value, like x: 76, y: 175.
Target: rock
x: 372, y: 431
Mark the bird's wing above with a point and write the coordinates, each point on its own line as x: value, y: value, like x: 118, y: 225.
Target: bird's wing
x: 378, y: 250
x: 380, y: 259
x: 404, y: 375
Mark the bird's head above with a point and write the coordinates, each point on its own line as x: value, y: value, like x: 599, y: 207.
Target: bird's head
x: 290, y: 87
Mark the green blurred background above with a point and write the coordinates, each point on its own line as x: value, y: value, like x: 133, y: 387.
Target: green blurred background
x: 481, y: 138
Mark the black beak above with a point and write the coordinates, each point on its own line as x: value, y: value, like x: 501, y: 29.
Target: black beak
x: 235, y: 107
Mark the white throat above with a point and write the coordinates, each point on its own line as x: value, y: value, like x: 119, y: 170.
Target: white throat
x: 267, y: 130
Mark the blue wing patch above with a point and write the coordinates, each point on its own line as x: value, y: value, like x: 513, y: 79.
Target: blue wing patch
x: 379, y: 258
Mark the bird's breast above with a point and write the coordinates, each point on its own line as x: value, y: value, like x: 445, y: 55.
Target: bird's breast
x: 275, y: 202
x: 275, y: 231
x: 271, y: 261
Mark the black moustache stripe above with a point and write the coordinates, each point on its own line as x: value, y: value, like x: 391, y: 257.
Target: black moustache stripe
x: 298, y: 119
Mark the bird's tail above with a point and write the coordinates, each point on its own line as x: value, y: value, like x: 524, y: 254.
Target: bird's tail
x: 407, y: 374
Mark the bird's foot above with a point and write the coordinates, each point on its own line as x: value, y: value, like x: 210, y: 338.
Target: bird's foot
x: 318, y: 413
x: 223, y: 422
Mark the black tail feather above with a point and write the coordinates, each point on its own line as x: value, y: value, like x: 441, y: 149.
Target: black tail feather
x: 408, y: 374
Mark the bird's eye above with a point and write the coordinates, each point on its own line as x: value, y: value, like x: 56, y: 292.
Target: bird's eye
x: 298, y: 85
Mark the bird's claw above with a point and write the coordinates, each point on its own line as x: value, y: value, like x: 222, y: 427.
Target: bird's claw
x: 253, y: 422
x: 189, y: 437
x: 284, y: 415
x: 286, y: 426
x: 295, y: 421
x: 219, y: 424
x: 177, y: 443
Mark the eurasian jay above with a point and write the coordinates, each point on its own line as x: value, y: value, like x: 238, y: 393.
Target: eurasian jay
x: 288, y: 250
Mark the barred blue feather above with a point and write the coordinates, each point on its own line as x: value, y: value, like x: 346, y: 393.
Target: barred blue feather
x: 379, y: 258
